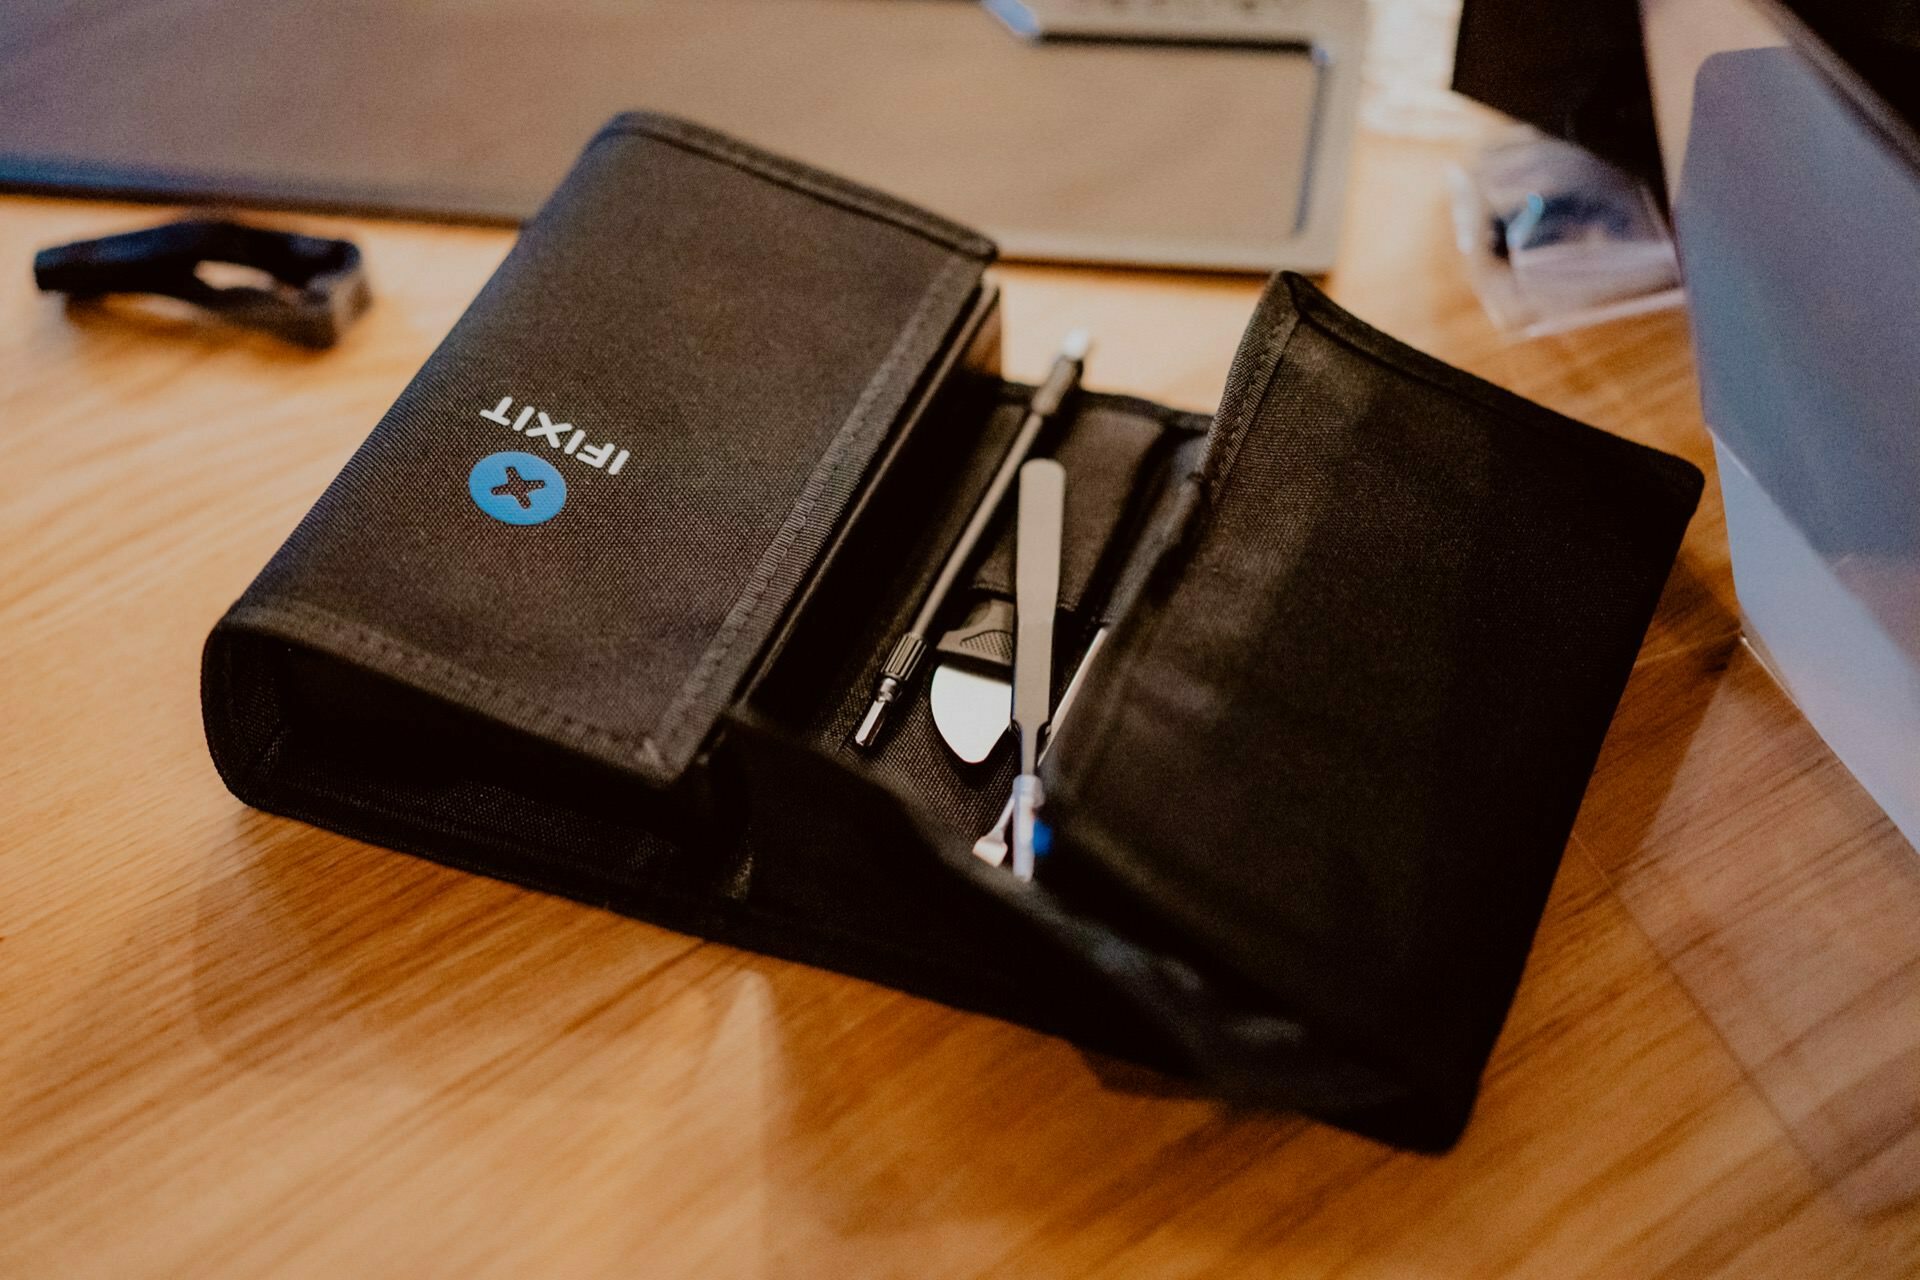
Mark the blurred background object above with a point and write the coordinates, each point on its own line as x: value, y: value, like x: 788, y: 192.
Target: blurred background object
x: 1795, y: 171
x: 1556, y: 238
x: 1409, y: 68
x: 302, y: 289
x: 1783, y: 136
x: 1574, y: 71
x: 1210, y: 133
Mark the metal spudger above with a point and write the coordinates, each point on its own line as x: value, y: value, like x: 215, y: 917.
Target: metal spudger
x: 904, y: 659
x: 1036, y: 594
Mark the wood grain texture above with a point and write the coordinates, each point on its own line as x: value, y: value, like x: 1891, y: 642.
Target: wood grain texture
x: 231, y: 1045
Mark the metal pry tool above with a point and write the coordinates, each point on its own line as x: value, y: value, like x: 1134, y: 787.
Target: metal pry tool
x: 903, y: 660
x: 1036, y: 594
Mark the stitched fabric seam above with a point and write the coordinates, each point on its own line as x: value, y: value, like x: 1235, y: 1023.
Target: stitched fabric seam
x: 432, y: 824
x: 362, y: 640
x: 1358, y: 336
x: 818, y: 486
x: 800, y: 178
x: 1235, y: 425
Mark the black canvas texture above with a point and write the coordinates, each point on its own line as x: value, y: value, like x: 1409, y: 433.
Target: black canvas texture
x: 1339, y: 742
x: 1369, y: 624
x: 702, y: 348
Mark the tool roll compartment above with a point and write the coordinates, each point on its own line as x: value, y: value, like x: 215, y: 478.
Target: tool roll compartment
x: 599, y: 603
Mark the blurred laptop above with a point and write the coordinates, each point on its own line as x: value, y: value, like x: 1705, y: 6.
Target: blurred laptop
x: 1185, y: 133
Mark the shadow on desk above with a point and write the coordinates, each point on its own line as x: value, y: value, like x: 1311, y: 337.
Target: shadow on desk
x: 1711, y: 814
x: 850, y: 1110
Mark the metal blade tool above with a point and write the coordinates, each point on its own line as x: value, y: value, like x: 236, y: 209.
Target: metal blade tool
x: 903, y: 660
x: 1036, y: 566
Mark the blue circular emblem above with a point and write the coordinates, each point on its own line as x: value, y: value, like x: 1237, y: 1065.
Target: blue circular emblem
x: 517, y: 488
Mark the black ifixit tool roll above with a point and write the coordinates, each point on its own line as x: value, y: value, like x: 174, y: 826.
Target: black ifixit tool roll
x: 1359, y: 637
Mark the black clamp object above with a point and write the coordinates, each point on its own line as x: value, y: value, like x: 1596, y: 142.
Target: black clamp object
x: 319, y: 290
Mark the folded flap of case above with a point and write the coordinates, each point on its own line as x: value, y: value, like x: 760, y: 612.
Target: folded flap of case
x: 595, y: 502
x: 1337, y: 744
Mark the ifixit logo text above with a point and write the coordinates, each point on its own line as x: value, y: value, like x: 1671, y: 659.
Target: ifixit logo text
x: 558, y: 435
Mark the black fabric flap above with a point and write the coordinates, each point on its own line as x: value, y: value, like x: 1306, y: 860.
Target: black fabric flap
x: 701, y: 348
x: 1336, y: 746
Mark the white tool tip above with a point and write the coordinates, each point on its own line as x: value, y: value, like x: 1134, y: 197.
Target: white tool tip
x: 1078, y: 343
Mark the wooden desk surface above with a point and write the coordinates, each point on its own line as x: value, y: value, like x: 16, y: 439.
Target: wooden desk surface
x: 234, y: 1045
